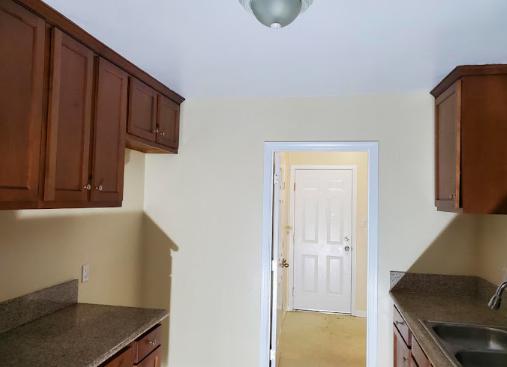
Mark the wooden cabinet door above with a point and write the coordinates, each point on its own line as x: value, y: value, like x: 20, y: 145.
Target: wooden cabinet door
x: 122, y: 359
x: 448, y: 148
x: 168, y: 122
x: 69, y: 125
x: 22, y: 47
x: 153, y: 360
x: 109, y: 133
x: 142, y: 110
x: 402, y: 356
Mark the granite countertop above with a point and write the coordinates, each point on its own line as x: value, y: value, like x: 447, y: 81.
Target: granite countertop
x: 447, y: 299
x: 49, y: 328
x: 80, y: 335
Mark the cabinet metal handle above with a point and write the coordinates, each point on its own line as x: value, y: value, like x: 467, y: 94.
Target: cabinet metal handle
x: 162, y: 133
x: 156, y: 131
x: 100, y: 188
x: 87, y: 187
x: 152, y: 342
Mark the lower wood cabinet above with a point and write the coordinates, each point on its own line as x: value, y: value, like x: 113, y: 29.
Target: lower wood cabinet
x: 406, y: 350
x: 145, y: 351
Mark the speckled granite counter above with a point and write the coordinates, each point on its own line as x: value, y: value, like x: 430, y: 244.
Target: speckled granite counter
x: 77, y: 335
x: 444, y: 298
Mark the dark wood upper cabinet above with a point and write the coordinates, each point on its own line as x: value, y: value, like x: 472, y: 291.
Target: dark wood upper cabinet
x: 447, y: 145
x: 69, y: 122
x: 109, y: 133
x: 142, y: 111
x: 69, y: 106
x: 168, y: 117
x: 22, y: 50
x: 471, y: 153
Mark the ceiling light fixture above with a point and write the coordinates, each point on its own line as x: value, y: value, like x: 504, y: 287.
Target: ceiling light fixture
x: 276, y: 13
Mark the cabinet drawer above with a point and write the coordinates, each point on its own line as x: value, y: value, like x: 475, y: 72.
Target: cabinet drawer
x: 402, y: 327
x: 418, y: 354
x: 122, y: 359
x: 147, y: 343
x: 153, y: 360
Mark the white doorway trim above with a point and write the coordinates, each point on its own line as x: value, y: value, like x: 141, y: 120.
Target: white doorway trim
x: 267, y: 256
x: 353, y: 168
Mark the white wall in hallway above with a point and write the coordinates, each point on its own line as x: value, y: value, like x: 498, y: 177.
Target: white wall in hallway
x: 208, y: 200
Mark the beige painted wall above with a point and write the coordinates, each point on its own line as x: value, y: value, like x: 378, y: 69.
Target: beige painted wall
x: 208, y: 199
x: 492, y: 248
x: 360, y: 161
x: 40, y: 248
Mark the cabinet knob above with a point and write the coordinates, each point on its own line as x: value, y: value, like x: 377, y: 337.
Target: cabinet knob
x: 162, y: 133
x: 152, y: 342
x: 100, y: 188
x: 87, y: 187
x: 156, y: 131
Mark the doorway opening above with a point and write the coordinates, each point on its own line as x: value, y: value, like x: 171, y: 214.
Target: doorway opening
x: 320, y: 254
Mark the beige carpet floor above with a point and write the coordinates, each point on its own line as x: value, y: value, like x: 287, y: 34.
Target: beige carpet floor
x: 312, y: 339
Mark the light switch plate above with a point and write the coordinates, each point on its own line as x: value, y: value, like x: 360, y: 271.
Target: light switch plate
x: 85, y: 273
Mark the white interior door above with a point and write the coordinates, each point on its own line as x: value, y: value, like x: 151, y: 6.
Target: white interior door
x: 322, y: 240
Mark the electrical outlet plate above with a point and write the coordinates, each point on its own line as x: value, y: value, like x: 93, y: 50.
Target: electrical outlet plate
x: 85, y: 273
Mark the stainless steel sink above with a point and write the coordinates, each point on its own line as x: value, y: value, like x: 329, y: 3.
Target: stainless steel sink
x: 482, y: 359
x: 471, y: 345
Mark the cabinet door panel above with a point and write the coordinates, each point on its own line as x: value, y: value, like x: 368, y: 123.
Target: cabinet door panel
x: 168, y: 116
x: 122, y: 359
x: 109, y: 133
x: 448, y: 148
x: 22, y: 44
x: 142, y: 110
x: 69, y: 124
x: 402, y: 356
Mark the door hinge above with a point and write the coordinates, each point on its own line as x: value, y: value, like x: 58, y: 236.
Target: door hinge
x: 272, y: 355
x: 294, y: 186
x: 274, y: 265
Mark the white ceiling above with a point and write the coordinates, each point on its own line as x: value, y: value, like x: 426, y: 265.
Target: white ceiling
x: 204, y: 48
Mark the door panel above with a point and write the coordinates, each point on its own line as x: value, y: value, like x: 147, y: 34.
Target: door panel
x: 168, y: 117
x: 448, y: 147
x: 322, y: 235
x: 142, y: 110
x: 69, y: 123
x: 109, y: 133
x: 22, y: 41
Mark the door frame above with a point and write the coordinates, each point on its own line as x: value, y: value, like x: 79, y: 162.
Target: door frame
x: 292, y: 196
x: 268, y: 252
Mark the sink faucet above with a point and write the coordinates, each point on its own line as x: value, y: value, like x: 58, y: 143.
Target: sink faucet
x: 495, y: 301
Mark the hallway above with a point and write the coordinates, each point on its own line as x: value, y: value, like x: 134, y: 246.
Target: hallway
x: 311, y: 339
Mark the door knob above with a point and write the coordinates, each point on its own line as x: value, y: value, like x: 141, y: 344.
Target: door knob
x: 284, y: 263
x: 347, y: 248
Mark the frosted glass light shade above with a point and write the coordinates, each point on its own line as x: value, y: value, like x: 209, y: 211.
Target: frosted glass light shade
x: 276, y: 13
